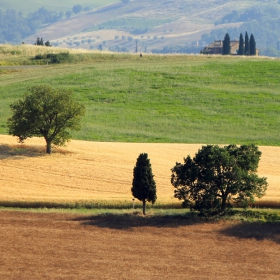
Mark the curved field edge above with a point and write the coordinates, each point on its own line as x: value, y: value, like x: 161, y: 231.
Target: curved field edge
x: 162, y: 98
x: 88, y: 173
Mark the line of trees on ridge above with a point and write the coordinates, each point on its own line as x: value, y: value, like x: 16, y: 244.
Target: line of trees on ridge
x: 245, y: 48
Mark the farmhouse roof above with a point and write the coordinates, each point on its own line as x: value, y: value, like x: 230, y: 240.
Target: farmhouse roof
x: 216, y: 47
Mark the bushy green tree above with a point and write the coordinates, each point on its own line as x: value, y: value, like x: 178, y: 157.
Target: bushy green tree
x: 226, y: 45
x: 77, y: 9
x: 218, y: 176
x: 241, y: 45
x: 46, y: 112
x: 252, y: 44
x: 143, y: 184
x: 68, y: 14
x: 48, y: 44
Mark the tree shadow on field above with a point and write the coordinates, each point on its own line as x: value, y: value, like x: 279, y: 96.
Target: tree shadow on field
x: 20, y: 150
x: 254, y: 230
x: 128, y: 221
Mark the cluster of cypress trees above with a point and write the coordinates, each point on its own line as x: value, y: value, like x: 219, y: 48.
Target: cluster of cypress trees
x: 40, y: 42
x: 245, y: 48
x: 226, y: 45
x: 249, y: 47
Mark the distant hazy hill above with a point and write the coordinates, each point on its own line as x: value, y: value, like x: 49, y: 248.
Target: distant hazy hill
x: 28, y: 6
x: 158, y: 25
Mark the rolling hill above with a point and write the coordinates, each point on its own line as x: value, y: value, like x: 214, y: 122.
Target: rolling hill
x: 173, y: 25
x: 29, y: 6
x: 155, y: 24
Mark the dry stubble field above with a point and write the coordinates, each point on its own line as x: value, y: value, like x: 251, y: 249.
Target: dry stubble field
x: 67, y: 246
x: 99, y: 171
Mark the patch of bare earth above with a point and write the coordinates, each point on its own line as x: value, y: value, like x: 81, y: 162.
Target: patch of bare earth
x: 65, y: 246
x: 99, y: 171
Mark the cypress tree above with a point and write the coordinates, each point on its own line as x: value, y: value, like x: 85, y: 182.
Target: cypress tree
x: 143, y: 184
x: 252, y: 44
x: 241, y: 45
x: 247, y: 45
x: 226, y: 45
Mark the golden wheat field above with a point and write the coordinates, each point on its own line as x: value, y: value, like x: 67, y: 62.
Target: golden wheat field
x: 84, y: 171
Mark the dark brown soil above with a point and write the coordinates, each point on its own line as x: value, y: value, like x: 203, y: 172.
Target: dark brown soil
x: 65, y: 246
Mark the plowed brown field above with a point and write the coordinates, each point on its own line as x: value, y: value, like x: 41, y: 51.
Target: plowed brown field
x: 99, y: 171
x: 65, y: 246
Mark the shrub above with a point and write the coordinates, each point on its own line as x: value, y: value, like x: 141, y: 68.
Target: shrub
x: 39, y: 56
x: 59, y: 58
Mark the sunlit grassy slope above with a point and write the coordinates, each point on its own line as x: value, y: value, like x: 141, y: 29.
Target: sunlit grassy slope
x: 175, y: 98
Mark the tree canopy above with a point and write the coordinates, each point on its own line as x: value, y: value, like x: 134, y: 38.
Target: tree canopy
x: 241, y: 45
x: 46, y: 112
x: 252, y: 45
x: 77, y: 9
x: 217, y: 177
x: 143, y: 184
x: 226, y: 45
x: 247, y: 44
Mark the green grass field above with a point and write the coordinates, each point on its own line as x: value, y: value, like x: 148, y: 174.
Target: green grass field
x: 163, y: 211
x: 52, y: 5
x: 186, y: 99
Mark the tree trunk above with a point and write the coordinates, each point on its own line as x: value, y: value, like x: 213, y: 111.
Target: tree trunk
x: 49, y: 147
x: 144, y: 206
x: 224, y: 203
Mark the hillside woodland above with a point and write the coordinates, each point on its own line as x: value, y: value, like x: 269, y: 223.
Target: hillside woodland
x: 161, y: 26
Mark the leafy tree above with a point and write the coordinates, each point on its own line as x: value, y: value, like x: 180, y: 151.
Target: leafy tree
x: 87, y: 9
x: 143, y: 184
x: 241, y: 45
x: 48, y: 44
x: 218, y: 176
x: 45, y: 112
x: 247, y: 45
x: 77, y: 9
x: 68, y: 14
x: 39, y: 42
x: 252, y: 45
x: 226, y: 45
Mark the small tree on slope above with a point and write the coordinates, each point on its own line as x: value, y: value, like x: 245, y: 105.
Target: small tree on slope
x: 143, y: 184
x: 48, y: 113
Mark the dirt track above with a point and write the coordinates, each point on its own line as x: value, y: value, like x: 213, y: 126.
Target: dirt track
x: 65, y: 246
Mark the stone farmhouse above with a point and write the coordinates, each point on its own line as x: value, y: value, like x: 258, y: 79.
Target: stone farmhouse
x: 217, y: 48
